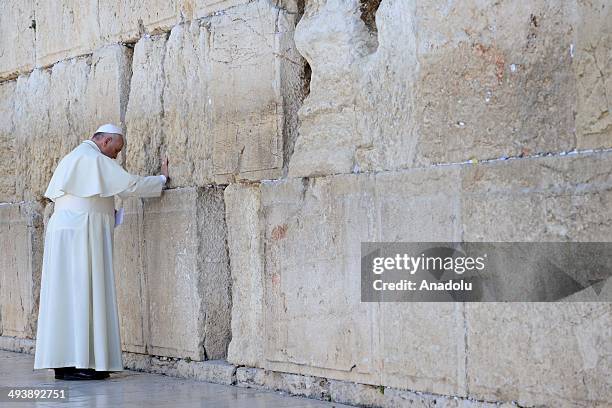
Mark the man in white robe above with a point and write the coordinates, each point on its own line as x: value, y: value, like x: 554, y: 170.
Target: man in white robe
x: 78, y: 326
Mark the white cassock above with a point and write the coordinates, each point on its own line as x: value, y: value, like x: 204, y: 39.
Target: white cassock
x: 78, y: 323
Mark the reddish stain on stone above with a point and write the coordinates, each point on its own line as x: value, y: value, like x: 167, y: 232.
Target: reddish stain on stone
x: 493, y: 56
x: 276, y: 279
x: 279, y: 232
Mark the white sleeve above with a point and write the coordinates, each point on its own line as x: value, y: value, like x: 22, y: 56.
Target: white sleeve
x: 149, y: 186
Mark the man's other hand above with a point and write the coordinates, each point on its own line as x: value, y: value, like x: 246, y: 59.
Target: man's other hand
x: 164, y: 167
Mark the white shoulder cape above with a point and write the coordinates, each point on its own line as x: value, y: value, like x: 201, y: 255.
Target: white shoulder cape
x: 86, y: 172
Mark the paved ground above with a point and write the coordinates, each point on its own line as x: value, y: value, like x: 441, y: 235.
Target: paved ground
x: 134, y: 389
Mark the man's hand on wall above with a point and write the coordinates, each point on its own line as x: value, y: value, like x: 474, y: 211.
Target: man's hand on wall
x: 164, y: 167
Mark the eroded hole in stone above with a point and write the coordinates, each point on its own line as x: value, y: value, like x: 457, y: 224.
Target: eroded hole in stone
x: 368, y: 10
x: 306, y: 75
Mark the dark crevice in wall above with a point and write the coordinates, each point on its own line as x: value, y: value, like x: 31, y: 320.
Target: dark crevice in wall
x: 297, y: 91
x: 125, y: 98
x: 129, y: 44
x: 368, y: 10
x: 306, y: 76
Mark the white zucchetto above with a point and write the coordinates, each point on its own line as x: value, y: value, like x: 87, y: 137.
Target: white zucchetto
x: 110, y: 128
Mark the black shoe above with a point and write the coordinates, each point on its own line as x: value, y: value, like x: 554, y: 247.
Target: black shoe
x: 82, y: 374
x: 60, y: 372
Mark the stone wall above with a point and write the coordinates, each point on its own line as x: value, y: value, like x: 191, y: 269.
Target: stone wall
x: 295, y: 131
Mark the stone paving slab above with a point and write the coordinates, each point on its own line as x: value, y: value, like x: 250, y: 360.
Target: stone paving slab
x: 130, y: 388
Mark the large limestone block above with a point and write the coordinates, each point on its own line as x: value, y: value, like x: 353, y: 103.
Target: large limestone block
x: 245, y: 243
x: 314, y: 322
x: 593, y: 65
x: 423, y: 347
x: 494, y: 80
x: 67, y: 29
x: 64, y: 29
x: 21, y: 247
x: 386, y: 103
x: 17, y: 33
x: 539, y: 199
x: 218, y: 95
x: 129, y: 261
x: 539, y: 353
x: 407, y: 200
x: 213, y: 262
x: 173, y: 275
x: 54, y: 110
x: 7, y: 137
x: 167, y: 109
x: 334, y: 41
x: 144, y: 109
x: 108, y: 86
x: 172, y: 262
x: 127, y: 21
x: 253, y: 65
x: 187, y: 117
x: 33, y: 162
x: 422, y: 344
x: 313, y: 318
x: 552, y: 354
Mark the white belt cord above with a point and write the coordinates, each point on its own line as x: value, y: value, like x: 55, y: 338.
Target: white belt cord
x: 86, y: 204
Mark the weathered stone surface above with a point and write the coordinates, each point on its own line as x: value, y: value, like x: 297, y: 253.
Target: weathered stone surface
x: 207, y: 7
x: 42, y: 33
x: 312, y: 230
x: 64, y: 29
x: 540, y: 354
x: 56, y: 109
x: 31, y: 121
x: 144, y: 110
x: 237, y: 111
x: 250, y: 377
x: 215, y: 371
x: 21, y: 246
x: 491, y: 83
x: 540, y: 199
x: 108, y: 86
x: 593, y: 65
x: 127, y: 21
x: 172, y: 252
x: 244, y: 236
x: 213, y: 262
x: 7, y: 139
x: 18, y: 344
x: 334, y: 41
x: 67, y: 29
x: 259, y: 65
x: 352, y: 393
x: 17, y: 33
x: 186, y: 110
x: 440, y: 83
x: 129, y: 263
x: 315, y: 285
